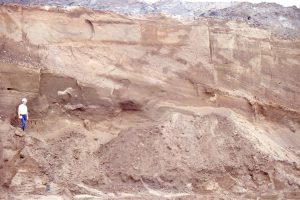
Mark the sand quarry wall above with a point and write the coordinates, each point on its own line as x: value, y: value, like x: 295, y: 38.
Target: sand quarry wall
x: 178, y: 72
x: 114, y: 58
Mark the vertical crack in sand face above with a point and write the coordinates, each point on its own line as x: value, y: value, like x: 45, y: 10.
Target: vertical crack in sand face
x: 91, y: 27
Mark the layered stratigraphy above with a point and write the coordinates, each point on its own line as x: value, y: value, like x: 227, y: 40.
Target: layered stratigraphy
x: 150, y: 104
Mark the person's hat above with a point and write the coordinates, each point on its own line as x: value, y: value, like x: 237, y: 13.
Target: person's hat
x: 24, y: 100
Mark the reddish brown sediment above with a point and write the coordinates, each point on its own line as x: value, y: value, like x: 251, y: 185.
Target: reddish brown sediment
x: 148, y: 105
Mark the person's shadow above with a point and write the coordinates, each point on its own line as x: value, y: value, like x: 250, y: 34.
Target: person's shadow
x: 14, y: 120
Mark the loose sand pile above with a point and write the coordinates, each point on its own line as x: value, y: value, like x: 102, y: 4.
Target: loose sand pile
x: 209, y: 153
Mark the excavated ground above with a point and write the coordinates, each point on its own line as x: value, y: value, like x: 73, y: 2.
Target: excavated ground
x: 147, y: 107
x: 175, y: 152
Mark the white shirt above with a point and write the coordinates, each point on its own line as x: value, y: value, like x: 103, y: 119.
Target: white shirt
x: 22, y: 110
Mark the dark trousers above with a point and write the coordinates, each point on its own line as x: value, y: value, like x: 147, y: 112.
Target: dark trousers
x: 23, y: 120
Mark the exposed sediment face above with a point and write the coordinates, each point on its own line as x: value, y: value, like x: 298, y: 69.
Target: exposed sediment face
x: 120, y: 53
x: 114, y: 72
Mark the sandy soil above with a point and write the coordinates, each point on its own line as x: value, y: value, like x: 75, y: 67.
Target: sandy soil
x: 185, y: 152
x: 148, y: 107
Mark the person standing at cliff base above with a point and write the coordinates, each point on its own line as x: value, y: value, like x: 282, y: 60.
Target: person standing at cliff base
x: 23, y: 113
